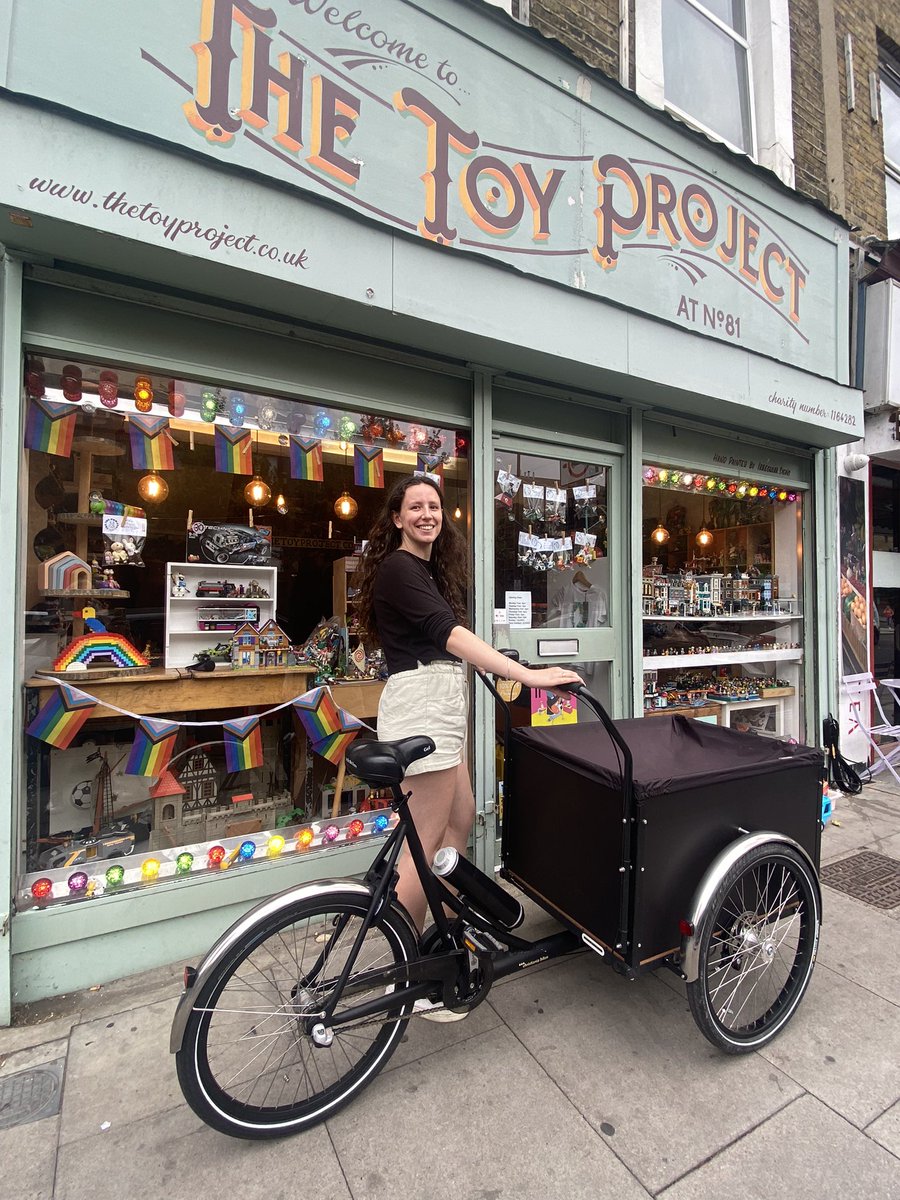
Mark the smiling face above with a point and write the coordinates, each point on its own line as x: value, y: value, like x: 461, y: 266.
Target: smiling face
x: 420, y: 519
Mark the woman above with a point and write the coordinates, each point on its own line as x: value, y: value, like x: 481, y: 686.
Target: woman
x: 411, y: 597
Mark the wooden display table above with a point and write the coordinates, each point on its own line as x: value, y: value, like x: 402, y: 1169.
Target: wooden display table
x: 684, y: 710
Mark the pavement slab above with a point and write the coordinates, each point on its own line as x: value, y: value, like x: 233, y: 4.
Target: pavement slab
x: 172, y: 1154
x: 861, y: 943
x: 480, y: 1121
x: 843, y: 1046
x: 32, y: 1056
x: 119, y: 1070
x: 423, y: 1038
x: 28, y: 1160
x: 886, y: 1130
x: 630, y: 1058
x: 804, y: 1152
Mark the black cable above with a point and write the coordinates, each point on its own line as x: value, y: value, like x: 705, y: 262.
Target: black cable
x: 840, y: 773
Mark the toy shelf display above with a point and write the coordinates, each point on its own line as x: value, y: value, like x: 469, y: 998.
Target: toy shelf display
x: 721, y: 597
x: 200, y: 598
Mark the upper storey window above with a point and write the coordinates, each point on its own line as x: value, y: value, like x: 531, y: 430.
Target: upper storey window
x: 890, y: 118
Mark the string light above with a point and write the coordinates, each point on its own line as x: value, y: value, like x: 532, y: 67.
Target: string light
x: 740, y: 489
x: 143, y: 394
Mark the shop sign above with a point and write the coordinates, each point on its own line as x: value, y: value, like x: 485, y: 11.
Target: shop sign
x: 686, y: 447
x: 406, y: 120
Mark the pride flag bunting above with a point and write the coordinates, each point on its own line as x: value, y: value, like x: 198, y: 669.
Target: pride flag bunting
x: 431, y: 464
x: 368, y: 466
x: 318, y: 714
x: 234, y: 450
x: 334, y: 746
x: 306, y: 458
x: 62, y: 716
x: 50, y: 427
x: 151, y: 443
x: 243, y: 744
x: 154, y: 742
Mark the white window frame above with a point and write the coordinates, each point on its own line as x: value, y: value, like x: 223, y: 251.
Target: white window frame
x: 768, y: 42
x: 517, y: 9
x: 889, y: 75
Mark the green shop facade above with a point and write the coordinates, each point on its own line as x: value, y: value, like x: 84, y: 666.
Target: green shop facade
x: 258, y: 262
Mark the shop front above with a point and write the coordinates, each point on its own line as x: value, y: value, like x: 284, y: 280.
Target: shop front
x: 238, y: 304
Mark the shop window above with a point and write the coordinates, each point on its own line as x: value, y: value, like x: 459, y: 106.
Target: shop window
x: 885, y: 509
x: 188, y: 576
x: 712, y: 62
x: 890, y: 119
x: 722, y: 603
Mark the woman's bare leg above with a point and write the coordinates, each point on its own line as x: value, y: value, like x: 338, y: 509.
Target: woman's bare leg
x: 431, y: 804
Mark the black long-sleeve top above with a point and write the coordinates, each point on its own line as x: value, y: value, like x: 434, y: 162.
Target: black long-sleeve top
x: 413, y: 618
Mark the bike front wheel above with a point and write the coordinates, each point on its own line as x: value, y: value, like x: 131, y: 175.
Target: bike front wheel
x: 249, y: 1064
x: 757, y: 949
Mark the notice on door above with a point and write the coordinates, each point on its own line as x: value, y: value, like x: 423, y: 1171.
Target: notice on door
x: 518, y: 610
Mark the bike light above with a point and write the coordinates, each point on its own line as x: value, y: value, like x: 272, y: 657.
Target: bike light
x: 381, y: 822
x: 42, y: 888
x: 189, y: 977
x: 305, y: 839
x: 685, y: 928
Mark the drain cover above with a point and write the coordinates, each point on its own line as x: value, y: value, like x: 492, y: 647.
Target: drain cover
x: 31, y: 1095
x: 868, y: 876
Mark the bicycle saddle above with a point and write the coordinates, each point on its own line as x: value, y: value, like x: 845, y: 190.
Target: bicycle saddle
x: 385, y: 763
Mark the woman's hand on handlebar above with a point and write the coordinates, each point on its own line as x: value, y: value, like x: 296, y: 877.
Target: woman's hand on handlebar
x: 559, y: 678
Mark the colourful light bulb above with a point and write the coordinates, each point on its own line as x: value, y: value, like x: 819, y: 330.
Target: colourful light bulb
x: 664, y: 476
x: 78, y: 881
x: 183, y: 863
x: 108, y: 389
x: 247, y: 850
x: 381, y: 822
x: 209, y: 406
x: 305, y: 839
x: 42, y: 888
x: 143, y: 394
x: 754, y: 491
x: 710, y: 484
x: 275, y: 846
x: 237, y: 409
x: 355, y: 828
x: 70, y: 382
x: 330, y: 834
x: 150, y: 869
x: 215, y: 855
x: 782, y: 495
x: 114, y: 875
x: 177, y: 400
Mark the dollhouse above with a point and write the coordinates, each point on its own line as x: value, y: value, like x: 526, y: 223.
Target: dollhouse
x: 261, y: 648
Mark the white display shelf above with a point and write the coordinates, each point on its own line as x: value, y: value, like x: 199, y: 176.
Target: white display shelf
x: 732, y: 620
x: 182, y: 634
x: 663, y: 662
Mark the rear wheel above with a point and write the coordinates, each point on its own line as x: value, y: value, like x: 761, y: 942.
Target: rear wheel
x: 255, y: 1062
x: 758, y: 945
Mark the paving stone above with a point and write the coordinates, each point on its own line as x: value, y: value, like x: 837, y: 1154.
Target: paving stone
x: 630, y: 1058
x: 804, y: 1152
x: 843, y: 1046
x: 28, y: 1160
x: 172, y: 1154
x: 423, y: 1038
x: 119, y: 1070
x: 886, y: 1130
x: 480, y: 1120
x: 33, y: 1056
x: 861, y: 943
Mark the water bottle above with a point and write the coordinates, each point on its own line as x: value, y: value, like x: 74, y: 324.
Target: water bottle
x: 486, y: 895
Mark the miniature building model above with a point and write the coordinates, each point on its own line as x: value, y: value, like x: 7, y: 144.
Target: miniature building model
x: 245, y: 646
x: 268, y: 646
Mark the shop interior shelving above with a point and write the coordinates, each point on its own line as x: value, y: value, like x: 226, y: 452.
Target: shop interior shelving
x: 184, y: 638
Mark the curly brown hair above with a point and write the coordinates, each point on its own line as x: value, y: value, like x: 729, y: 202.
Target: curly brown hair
x: 449, y: 560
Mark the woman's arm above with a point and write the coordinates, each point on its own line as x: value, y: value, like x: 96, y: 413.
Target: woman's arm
x: 464, y: 644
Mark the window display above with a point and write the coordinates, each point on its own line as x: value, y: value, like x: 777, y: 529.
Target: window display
x: 721, y: 599
x: 194, y: 672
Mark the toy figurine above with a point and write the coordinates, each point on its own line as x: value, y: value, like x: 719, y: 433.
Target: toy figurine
x: 179, y: 586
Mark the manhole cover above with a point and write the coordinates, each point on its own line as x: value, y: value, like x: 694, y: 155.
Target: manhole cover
x: 868, y: 876
x: 31, y: 1095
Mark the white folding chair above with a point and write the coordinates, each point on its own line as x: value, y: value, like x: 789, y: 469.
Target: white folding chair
x: 862, y: 692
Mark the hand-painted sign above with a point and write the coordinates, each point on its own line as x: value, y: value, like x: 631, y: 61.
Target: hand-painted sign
x: 395, y: 114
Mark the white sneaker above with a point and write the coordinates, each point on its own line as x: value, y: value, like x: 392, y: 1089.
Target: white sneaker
x: 433, y: 1011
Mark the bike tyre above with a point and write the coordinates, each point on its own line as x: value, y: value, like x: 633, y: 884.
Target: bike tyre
x: 217, y: 1094
x: 768, y: 869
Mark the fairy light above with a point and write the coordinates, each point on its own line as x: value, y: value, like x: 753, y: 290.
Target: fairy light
x: 150, y: 869
x: 42, y: 888
x: 305, y: 839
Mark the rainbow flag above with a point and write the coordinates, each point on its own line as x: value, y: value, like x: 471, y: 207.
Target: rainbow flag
x: 306, y: 458
x: 368, y: 466
x: 50, y: 426
x: 334, y: 747
x: 151, y: 443
x: 243, y: 744
x: 234, y: 450
x: 153, y: 744
x: 62, y: 716
x: 431, y: 464
x: 318, y: 714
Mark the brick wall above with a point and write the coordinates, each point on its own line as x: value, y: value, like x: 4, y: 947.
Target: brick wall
x: 862, y: 138
x: 810, y: 166
x: 589, y: 28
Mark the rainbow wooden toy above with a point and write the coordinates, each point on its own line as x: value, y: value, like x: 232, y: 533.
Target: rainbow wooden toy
x: 66, y: 572
x: 99, y: 650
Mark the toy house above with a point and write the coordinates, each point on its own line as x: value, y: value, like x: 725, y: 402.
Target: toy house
x: 274, y: 646
x: 245, y: 646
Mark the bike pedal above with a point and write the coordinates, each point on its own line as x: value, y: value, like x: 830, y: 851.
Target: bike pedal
x: 476, y: 941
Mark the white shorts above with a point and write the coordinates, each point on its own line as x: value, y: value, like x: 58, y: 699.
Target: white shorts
x: 433, y: 699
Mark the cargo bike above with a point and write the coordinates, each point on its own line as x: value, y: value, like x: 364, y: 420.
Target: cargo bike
x: 655, y: 843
